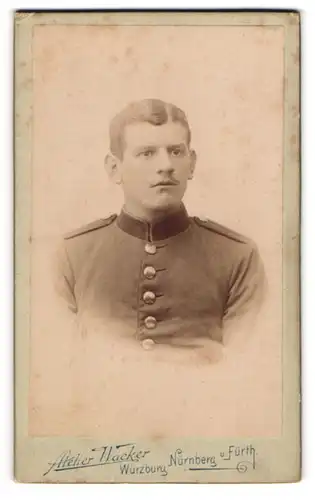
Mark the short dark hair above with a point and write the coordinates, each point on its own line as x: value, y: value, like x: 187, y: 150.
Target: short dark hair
x: 153, y: 111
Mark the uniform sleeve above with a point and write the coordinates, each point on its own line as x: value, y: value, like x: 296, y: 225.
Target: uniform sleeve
x: 247, y: 287
x: 63, y: 277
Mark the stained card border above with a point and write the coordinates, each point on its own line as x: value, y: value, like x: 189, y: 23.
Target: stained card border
x: 274, y: 460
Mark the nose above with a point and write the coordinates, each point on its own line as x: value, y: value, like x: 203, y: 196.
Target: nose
x: 165, y: 162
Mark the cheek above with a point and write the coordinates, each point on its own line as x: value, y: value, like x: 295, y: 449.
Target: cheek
x: 182, y: 169
x: 133, y: 173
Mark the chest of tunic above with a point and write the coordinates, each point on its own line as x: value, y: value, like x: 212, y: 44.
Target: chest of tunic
x: 168, y: 291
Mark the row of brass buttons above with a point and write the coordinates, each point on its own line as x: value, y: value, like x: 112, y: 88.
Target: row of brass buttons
x: 149, y: 297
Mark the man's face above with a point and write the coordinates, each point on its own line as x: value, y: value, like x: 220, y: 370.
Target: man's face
x: 156, y: 164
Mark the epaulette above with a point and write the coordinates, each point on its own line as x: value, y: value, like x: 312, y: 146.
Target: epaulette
x: 97, y: 224
x: 222, y: 230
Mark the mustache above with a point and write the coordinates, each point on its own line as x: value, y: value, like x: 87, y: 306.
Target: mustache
x: 166, y: 182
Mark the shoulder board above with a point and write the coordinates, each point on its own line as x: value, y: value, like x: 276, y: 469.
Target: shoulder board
x: 97, y: 224
x: 222, y: 230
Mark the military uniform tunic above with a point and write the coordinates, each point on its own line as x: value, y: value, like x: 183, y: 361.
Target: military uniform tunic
x: 177, y: 281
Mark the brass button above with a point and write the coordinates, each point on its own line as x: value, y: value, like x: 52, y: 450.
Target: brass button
x: 150, y: 248
x: 147, y: 344
x: 149, y: 272
x: 149, y: 297
x: 150, y: 322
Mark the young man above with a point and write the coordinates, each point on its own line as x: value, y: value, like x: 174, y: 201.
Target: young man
x: 161, y: 276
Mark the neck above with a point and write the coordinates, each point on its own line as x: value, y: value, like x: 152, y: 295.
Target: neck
x: 147, y: 214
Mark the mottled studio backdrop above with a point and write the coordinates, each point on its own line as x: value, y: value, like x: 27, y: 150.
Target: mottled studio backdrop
x: 229, y: 81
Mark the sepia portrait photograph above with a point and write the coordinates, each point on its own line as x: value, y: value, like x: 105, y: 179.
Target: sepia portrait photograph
x: 157, y: 233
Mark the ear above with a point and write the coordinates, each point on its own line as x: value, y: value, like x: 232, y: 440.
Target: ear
x: 193, y: 159
x: 112, y: 168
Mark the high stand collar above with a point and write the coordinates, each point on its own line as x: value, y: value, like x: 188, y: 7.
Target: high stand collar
x: 170, y: 225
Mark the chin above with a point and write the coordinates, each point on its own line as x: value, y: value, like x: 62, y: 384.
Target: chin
x: 164, y: 203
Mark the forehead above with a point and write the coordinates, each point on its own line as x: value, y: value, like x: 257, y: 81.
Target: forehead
x: 144, y: 133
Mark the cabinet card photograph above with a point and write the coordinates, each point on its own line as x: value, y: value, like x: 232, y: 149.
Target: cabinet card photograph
x: 157, y: 247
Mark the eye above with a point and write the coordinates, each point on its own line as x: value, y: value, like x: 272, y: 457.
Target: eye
x: 146, y: 153
x: 176, y: 152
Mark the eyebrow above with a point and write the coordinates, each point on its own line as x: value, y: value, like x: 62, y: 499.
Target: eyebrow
x: 148, y: 146
x: 177, y: 145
